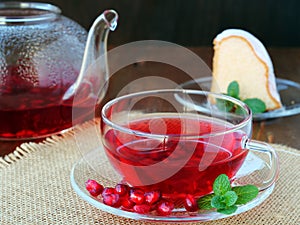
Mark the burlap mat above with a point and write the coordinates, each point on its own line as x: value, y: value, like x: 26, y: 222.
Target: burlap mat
x: 35, y: 187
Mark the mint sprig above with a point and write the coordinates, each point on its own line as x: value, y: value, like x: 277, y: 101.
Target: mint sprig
x: 233, y: 89
x: 256, y: 105
x: 225, y: 199
x: 245, y: 193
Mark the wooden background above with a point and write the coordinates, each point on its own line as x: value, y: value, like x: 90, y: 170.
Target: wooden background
x: 192, y: 22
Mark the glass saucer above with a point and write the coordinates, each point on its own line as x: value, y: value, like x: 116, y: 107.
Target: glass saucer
x: 289, y: 92
x: 94, y: 165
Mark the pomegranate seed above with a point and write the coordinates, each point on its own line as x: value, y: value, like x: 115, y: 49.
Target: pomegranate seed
x: 93, y: 187
x: 122, y: 189
x: 108, y: 191
x: 127, y: 204
x: 112, y: 200
x: 190, y: 203
x: 142, y: 209
x: 164, y: 208
x: 137, y: 200
x: 152, y: 197
x: 154, y: 206
x: 137, y: 196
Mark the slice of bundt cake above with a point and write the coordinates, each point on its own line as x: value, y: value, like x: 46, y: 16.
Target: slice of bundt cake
x: 241, y: 57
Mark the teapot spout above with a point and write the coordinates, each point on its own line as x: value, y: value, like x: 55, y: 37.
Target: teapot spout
x: 94, y: 68
x: 111, y: 18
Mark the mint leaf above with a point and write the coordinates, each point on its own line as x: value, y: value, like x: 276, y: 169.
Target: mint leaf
x: 225, y: 199
x: 225, y: 105
x: 205, y: 202
x: 233, y: 89
x: 245, y: 193
x: 228, y: 210
x: 221, y: 185
x: 218, y: 202
x: 256, y: 105
x: 230, y: 198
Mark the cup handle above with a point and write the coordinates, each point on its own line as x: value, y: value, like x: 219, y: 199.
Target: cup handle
x: 271, y: 162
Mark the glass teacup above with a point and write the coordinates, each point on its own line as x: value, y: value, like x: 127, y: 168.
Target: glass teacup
x: 179, y: 141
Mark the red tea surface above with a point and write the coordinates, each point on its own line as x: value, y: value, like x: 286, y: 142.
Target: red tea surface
x: 175, y: 165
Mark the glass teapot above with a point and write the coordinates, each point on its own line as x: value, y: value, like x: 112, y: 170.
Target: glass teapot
x: 44, y: 57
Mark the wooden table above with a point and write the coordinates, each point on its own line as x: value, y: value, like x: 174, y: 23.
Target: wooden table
x: 286, y: 63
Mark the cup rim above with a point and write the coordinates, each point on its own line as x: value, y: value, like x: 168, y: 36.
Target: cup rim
x: 235, y: 127
x: 48, y: 11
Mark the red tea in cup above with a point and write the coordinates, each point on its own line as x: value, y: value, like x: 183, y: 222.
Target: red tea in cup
x: 194, y: 163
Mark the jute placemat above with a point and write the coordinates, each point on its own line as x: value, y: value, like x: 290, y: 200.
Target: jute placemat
x: 35, y: 187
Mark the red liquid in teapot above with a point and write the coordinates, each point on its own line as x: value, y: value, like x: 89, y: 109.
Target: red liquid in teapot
x: 30, y: 108
x: 134, y: 157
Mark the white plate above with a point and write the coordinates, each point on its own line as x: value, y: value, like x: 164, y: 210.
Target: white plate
x: 289, y: 92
